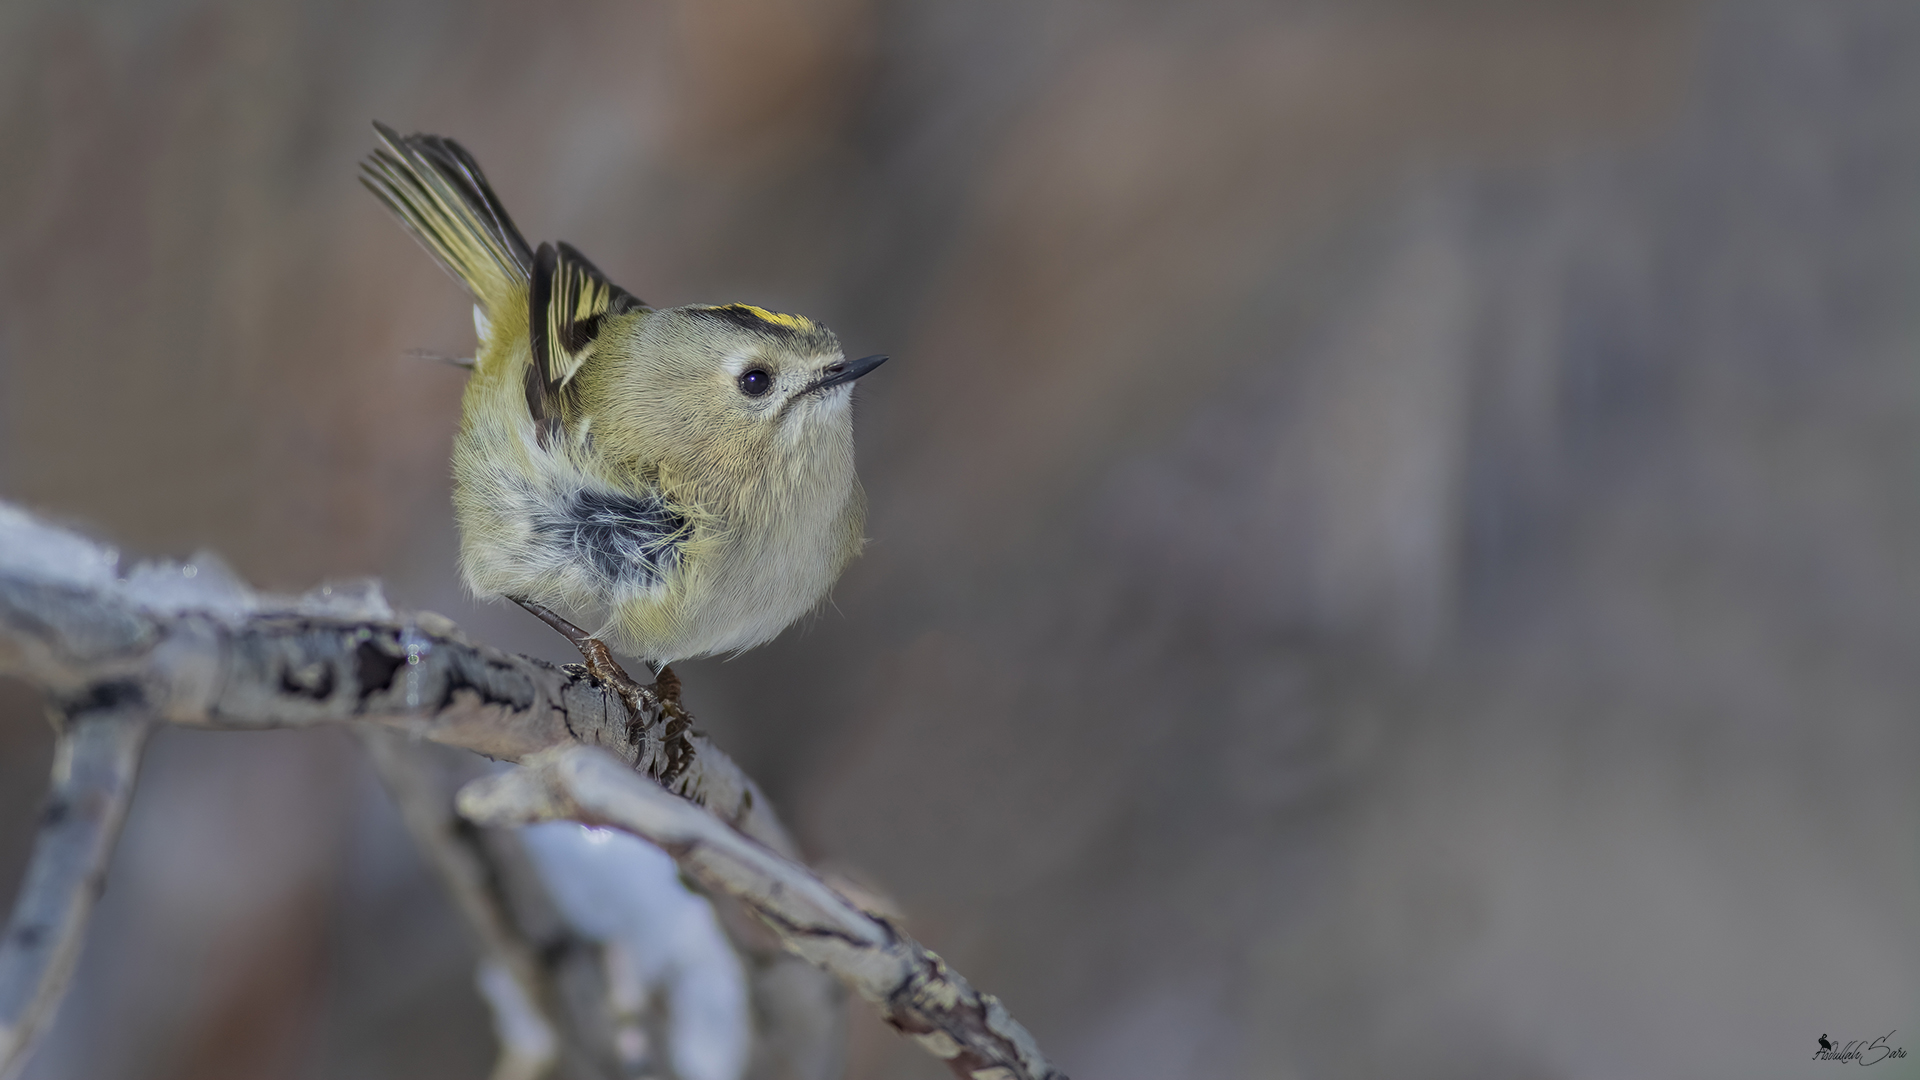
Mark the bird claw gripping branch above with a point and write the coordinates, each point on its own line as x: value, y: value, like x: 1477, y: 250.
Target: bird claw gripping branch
x: 662, y: 697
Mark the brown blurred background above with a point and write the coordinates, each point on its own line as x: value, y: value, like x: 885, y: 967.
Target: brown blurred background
x: 1396, y: 534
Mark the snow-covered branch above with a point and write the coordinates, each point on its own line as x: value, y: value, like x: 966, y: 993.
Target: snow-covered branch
x: 189, y: 644
x: 915, y: 991
x: 194, y: 646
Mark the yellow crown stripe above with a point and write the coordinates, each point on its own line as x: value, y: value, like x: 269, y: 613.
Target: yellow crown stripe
x: 797, y: 323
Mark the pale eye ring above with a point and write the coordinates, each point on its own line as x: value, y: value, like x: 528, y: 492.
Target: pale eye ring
x: 755, y: 382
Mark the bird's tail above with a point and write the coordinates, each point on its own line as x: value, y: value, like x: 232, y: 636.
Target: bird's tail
x: 438, y: 192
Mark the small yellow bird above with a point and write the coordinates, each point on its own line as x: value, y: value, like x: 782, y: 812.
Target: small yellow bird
x: 683, y: 474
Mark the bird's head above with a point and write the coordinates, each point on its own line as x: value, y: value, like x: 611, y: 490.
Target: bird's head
x: 733, y: 395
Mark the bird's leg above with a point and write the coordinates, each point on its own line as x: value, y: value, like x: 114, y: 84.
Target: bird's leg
x: 663, y: 694
x: 600, y: 664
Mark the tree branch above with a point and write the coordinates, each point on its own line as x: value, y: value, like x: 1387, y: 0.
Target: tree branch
x: 297, y: 663
x: 916, y: 992
x: 94, y: 765
x: 512, y: 979
x: 200, y: 649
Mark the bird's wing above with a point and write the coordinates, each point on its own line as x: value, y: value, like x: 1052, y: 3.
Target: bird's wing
x: 569, y: 300
x: 438, y: 192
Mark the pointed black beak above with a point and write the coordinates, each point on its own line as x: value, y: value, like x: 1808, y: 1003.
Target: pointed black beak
x: 845, y: 372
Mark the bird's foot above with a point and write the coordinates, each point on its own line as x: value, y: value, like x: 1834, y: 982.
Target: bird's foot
x: 678, y: 736
x: 662, y: 696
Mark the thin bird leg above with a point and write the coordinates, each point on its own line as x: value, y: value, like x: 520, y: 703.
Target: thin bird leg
x: 663, y: 694
x: 601, y: 665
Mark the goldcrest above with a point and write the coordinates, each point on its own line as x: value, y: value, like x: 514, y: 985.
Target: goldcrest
x: 683, y: 475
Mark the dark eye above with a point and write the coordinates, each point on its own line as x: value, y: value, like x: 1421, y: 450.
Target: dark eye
x: 755, y: 383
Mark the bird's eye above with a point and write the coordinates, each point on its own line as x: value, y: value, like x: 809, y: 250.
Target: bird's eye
x: 756, y: 382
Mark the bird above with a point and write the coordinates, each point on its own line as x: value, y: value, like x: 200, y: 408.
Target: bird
x: 685, y: 475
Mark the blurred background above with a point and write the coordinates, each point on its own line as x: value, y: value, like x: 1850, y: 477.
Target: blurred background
x: 1396, y: 525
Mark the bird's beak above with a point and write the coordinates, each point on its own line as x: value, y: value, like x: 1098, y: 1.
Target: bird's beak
x: 844, y: 372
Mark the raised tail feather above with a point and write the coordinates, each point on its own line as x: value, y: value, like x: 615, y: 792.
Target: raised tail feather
x: 437, y: 190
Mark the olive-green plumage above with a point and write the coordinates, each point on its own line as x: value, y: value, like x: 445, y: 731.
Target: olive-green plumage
x: 685, y: 474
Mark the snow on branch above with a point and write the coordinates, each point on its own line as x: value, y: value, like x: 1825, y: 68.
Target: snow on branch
x: 190, y: 644
x: 914, y: 989
x: 196, y: 647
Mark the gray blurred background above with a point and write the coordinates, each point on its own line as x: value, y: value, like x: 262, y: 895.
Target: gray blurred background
x: 1396, y: 525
